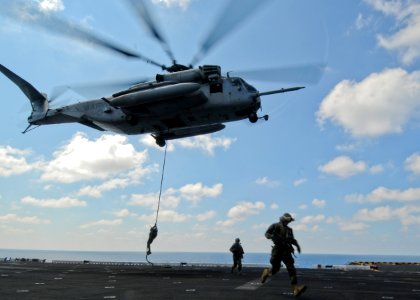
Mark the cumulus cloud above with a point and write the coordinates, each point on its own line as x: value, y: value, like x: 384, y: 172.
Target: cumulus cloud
x: 299, y: 181
x: 193, y: 192
x: 240, y: 212
x: 406, y: 40
x: 245, y: 209
x: 309, y: 223
x: 319, y: 203
x: 169, y: 3
x: 13, y: 218
x: 380, y: 104
x: 13, y: 161
x: 84, y: 159
x: 150, y: 200
x: 122, y: 213
x: 206, y: 143
x: 412, y: 163
x: 382, y: 194
x: 64, y: 202
x: 206, y: 216
x: 50, y: 5
x: 353, y: 226
x: 343, y: 166
x: 102, y: 222
x: 165, y: 216
x: 407, y: 215
x: 264, y: 181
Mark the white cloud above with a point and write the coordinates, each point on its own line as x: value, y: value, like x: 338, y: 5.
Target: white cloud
x: 353, y: 226
x: 299, y: 182
x: 412, y: 163
x: 13, y: 161
x: 102, y: 222
x: 309, y: 223
x: 362, y: 21
x: 206, y: 143
x: 245, y: 209
x: 83, y: 159
x: 343, y: 166
x: 50, y: 5
x: 380, y: 104
x: 274, y: 206
x: 13, y: 218
x: 122, y: 213
x: 169, y: 3
x: 165, y: 216
x: 96, y: 191
x: 264, y: 181
x: 319, y: 203
x: 376, y: 169
x: 168, y: 200
x: 381, y: 194
x: 64, y: 202
x: 195, y: 192
x: 406, y: 40
x: 407, y: 215
x: 206, y: 216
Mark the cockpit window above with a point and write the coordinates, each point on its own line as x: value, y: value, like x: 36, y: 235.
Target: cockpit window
x: 249, y: 87
x: 236, y: 81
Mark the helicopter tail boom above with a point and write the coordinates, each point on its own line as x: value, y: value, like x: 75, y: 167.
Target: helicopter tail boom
x: 39, y: 101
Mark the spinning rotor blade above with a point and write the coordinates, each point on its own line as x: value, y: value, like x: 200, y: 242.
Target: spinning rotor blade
x: 31, y: 14
x: 96, y: 90
x: 234, y: 13
x: 303, y: 74
x: 146, y: 17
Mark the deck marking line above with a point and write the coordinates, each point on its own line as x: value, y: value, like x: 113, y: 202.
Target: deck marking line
x: 250, y: 286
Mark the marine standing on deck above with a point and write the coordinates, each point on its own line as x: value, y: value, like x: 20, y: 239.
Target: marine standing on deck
x: 283, y: 239
x: 238, y: 254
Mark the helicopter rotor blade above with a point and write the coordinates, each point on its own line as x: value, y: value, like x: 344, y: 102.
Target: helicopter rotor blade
x: 96, y: 90
x: 147, y: 18
x: 303, y: 74
x: 234, y: 14
x: 31, y: 14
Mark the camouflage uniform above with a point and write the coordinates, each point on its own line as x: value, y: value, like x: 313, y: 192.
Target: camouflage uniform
x: 282, y: 251
x: 238, y: 254
x: 283, y: 239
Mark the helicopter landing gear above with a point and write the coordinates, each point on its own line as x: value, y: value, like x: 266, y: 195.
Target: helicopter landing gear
x: 160, y: 141
x: 253, y: 117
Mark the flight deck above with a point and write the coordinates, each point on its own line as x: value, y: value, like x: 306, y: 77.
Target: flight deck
x: 90, y: 280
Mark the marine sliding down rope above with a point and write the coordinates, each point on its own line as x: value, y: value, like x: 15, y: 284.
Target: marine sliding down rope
x: 154, y: 230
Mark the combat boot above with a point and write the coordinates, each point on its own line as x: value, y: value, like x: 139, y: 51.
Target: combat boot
x: 298, y: 290
x: 264, y: 275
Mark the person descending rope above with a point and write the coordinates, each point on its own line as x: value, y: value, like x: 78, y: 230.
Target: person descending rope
x: 154, y: 230
x: 152, y: 235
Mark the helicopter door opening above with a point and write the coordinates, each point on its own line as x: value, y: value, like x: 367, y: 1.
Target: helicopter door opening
x: 215, y: 83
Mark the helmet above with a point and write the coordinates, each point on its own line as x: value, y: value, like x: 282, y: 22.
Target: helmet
x: 237, y: 240
x: 286, y: 218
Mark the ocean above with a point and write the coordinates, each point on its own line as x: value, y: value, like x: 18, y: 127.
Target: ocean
x: 218, y: 258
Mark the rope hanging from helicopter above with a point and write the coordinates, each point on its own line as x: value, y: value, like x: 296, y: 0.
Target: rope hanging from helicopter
x: 154, y: 230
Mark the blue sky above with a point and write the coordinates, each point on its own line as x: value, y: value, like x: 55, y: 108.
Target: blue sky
x: 341, y: 155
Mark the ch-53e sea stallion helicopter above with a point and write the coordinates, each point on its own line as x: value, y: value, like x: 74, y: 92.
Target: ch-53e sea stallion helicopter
x: 183, y: 102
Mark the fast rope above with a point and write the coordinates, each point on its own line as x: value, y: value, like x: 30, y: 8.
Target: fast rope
x: 154, y: 230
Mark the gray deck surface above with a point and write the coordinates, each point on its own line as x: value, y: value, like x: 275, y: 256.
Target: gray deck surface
x: 28, y: 280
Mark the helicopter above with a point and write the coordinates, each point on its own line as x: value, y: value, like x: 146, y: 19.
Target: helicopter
x: 184, y: 101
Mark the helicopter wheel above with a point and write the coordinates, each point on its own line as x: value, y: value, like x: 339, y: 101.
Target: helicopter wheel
x: 160, y: 142
x: 253, y: 118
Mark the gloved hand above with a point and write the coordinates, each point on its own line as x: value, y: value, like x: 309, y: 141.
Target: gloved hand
x: 298, y: 248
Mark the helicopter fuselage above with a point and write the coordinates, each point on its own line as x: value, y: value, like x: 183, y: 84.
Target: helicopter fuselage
x: 176, y: 105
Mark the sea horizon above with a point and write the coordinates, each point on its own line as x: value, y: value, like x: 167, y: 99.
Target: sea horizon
x: 305, y: 260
